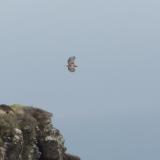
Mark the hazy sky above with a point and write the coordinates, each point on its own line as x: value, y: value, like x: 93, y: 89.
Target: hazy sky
x: 109, y: 108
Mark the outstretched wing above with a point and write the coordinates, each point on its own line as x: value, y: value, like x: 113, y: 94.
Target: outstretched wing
x: 71, y: 60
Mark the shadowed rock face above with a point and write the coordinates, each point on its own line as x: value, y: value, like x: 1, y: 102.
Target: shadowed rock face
x: 6, y: 108
x: 70, y: 157
x: 27, y: 133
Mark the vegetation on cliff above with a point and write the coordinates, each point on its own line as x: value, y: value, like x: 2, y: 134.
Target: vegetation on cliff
x: 27, y: 133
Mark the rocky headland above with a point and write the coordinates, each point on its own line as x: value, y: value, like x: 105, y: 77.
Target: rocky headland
x: 27, y: 133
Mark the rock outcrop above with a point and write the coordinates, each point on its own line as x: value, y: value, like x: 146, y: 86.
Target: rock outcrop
x: 27, y: 133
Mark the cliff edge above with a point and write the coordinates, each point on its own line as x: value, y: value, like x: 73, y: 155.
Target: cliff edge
x: 27, y: 133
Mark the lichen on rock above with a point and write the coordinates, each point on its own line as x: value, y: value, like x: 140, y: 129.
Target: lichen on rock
x: 27, y: 133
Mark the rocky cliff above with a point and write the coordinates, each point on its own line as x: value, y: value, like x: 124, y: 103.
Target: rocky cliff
x: 27, y: 133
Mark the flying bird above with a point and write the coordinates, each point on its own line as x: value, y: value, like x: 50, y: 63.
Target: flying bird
x: 71, y: 64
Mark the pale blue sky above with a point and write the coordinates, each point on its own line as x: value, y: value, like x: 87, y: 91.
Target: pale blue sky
x: 109, y: 108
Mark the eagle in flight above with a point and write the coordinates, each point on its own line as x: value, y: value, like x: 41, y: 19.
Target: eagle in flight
x: 71, y: 64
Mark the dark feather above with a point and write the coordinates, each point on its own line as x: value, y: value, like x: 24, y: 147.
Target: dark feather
x: 71, y: 60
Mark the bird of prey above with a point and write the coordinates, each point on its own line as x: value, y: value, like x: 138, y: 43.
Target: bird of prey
x: 71, y: 64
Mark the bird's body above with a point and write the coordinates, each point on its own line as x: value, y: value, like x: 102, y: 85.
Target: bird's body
x: 71, y: 64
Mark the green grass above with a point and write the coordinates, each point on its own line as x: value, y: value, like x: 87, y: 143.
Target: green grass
x: 16, y: 106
